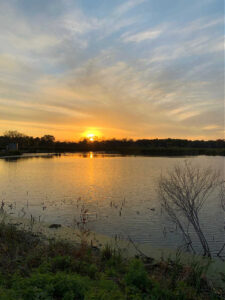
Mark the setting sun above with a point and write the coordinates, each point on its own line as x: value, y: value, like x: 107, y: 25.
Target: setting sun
x: 92, y: 135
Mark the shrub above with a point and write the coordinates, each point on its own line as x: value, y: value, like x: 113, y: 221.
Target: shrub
x: 137, y: 275
x: 51, y: 286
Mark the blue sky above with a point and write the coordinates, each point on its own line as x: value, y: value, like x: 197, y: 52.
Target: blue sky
x: 134, y: 68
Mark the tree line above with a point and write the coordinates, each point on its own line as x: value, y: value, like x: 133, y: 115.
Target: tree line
x: 169, y: 146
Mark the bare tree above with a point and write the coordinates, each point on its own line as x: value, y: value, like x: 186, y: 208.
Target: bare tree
x: 13, y: 134
x: 222, y: 195
x: 222, y: 201
x: 183, y: 192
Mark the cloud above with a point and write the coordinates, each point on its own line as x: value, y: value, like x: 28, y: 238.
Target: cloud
x: 112, y: 97
x: 200, y: 24
x: 68, y: 68
x: 141, y: 36
x: 191, y: 40
x: 76, y: 23
x: 128, y: 5
x: 213, y: 127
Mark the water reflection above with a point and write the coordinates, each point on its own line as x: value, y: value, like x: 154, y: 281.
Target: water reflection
x: 28, y: 156
x: 119, y: 193
x: 52, y: 155
x: 97, y: 154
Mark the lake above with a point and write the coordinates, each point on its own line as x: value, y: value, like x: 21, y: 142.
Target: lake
x: 118, y: 191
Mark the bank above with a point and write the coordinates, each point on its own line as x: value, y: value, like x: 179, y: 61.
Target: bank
x: 62, y: 255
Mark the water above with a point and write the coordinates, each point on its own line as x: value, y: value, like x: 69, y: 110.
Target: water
x: 118, y: 191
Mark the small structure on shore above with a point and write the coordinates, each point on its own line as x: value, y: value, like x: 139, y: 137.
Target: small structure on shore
x: 12, y: 147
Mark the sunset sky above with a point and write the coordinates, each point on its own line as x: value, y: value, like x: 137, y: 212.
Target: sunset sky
x: 124, y: 69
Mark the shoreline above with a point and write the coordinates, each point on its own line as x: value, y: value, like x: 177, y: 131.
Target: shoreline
x: 63, y: 233
x: 107, y: 153
x: 30, y: 155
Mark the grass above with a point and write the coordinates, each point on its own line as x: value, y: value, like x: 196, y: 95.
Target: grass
x: 33, y: 267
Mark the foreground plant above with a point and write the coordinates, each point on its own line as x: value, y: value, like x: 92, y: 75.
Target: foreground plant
x: 34, y: 268
x: 183, y: 191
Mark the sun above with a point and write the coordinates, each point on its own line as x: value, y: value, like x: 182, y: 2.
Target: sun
x: 91, y: 135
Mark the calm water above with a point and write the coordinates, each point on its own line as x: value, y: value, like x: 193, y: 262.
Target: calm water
x: 119, y: 193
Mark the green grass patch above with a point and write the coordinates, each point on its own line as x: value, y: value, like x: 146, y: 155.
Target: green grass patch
x: 33, y: 268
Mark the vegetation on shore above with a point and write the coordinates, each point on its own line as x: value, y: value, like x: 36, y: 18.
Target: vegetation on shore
x: 153, y: 147
x: 33, y: 267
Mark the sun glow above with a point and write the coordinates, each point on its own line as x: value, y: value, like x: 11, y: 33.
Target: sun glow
x: 91, y: 135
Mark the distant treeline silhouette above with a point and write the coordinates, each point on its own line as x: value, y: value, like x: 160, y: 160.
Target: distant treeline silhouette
x: 169, y: 146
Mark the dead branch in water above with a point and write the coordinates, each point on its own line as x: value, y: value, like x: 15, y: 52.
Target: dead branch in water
x: 183, y: 192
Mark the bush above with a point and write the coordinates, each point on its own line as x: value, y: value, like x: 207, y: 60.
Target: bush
x: 58, y: 270
x: 50, y: 286
x: 137, y: 275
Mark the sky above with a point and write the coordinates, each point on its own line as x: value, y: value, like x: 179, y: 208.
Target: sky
x: 123, y: 69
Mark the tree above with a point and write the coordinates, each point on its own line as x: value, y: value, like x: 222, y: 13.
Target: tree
x: 222, y: 200
x: 49, y: 139
x: 183, y: 192
x: 222, y: 195
x: 13, y: 134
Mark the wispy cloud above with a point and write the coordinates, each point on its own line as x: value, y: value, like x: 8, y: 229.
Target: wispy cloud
x: 141, y: 36
x: 128, y: 5
x: 201, y: 24
x: 128, y: 69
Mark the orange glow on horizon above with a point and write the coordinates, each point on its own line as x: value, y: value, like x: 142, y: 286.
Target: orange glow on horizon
x: 92, y: 135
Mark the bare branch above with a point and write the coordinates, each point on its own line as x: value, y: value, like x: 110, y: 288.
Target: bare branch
x: 222, y: 195
x: 183, y: 192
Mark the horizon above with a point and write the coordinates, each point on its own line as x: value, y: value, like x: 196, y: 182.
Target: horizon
x: 102, y: 139
x: 132, y: 69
